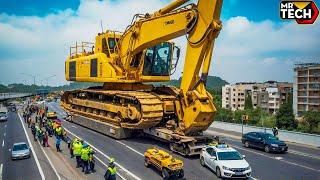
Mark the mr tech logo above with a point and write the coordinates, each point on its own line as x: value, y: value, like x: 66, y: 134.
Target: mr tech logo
x: 304, y: 12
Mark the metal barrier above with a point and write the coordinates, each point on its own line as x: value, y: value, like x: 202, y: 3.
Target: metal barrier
x: 291, y: 136
x: 6, y: 96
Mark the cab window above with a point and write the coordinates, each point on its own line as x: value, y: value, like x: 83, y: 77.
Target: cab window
x: 112, y: 43
x: 157, y: 60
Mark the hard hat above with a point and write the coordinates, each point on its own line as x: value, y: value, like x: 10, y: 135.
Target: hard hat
x: 111, y: 160
x: 85, y: 145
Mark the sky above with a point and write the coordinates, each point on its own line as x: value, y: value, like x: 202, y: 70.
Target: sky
x: 254, y: 45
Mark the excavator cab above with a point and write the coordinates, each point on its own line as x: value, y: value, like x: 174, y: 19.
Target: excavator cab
x: 160, y: 61
x: 157, y: 60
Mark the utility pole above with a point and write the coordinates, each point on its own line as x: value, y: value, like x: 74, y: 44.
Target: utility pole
x: 47, y: 78
x: 33, y: 76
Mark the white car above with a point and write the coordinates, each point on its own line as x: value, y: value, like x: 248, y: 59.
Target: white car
x: 225, y: 161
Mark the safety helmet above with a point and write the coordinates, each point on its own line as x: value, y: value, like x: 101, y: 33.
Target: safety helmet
x: 111, y: 161
x: 85, y: 145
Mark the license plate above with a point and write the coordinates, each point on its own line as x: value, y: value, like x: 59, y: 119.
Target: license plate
x: 239, y: 173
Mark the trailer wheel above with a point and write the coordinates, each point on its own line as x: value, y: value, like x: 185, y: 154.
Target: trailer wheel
x: 147, y: 162
x: 165, y: 174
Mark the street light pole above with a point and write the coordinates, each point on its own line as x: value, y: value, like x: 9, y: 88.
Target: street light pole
x: 33, y: 76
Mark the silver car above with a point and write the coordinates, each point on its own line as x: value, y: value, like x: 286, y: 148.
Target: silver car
x: 20, y: 151
x: 3, y: 116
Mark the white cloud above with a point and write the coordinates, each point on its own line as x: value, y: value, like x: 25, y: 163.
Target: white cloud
x: 39, y: 45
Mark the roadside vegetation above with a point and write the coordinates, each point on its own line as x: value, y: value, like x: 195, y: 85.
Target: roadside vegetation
x: 283, y: 119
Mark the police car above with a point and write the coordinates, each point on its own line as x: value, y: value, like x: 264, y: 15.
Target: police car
x: 225, y: 161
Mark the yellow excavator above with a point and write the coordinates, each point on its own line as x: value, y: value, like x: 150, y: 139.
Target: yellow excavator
x: 128, y: 62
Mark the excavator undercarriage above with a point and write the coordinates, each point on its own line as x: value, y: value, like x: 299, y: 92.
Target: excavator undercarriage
x: 133, y: 112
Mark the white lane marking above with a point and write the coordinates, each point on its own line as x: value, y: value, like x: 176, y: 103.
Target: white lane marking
x: 282, y: 160
x: 278, y: 158
x: 107, y: 166
x: 126, y: 170
x: 54, y: 169
x: 1, y: 166
x: 304, y: 154
x: 32, y: 149
x: 4, y: 134
x: 5, y: 125
x: 74, y: 126
x: 130, y: 148
x: 2, y: 143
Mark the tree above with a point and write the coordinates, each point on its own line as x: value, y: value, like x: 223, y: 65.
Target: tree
x: 248, y: 101
x: 284, y: 117
x: 312, y: 118
x: 224, y: 115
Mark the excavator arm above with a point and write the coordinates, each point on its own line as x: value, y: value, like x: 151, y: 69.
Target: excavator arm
x: 201, y: 25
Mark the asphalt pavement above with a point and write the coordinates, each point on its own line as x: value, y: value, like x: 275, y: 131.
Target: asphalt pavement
x: 12, y: 132
x: 301, y: 163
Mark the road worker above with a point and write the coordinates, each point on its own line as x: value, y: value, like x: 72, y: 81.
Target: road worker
x: 77, y: 146
x: 91, y: 160
x: 85, y: 151
x: 59, y: 132
x: 111, y: 171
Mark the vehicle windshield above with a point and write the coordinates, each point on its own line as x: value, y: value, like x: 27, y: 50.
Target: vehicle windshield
x: 19, y: 147
x: 269, y: 137
x: 231, y: 155
x: 158, y: 60
x: 3, y: 113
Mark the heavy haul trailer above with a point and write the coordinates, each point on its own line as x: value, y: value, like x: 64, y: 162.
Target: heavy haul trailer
x: 126, y: 62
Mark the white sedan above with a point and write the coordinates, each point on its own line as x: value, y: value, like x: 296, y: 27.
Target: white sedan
x: 225, y: 161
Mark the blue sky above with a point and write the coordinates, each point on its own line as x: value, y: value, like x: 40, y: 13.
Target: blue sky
x: 254, y: 44
x: 254, y: 11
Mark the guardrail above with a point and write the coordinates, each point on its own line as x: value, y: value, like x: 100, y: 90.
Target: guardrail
x: 6, y: 96
x: 291, y: 136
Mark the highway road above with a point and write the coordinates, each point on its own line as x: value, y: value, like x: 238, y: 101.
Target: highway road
x: 298, y: 163
x: 10, y: 133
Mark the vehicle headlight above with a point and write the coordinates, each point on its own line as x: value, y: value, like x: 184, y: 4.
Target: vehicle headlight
x: 274, y: 145
x: 226, y: 168
x: 247, y: 168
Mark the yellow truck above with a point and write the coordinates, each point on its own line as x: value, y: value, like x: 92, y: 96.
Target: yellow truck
x: 163, y: 161
x: 51, y: 115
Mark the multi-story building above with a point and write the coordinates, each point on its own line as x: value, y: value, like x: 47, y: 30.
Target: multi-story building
x: 268, y: 95
x: 306, y: 88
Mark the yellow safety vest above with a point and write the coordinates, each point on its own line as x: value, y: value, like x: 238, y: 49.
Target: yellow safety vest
x: 59, y: 131
x: 77, y: 148
x: 85, y: 154
x: 113, y: 170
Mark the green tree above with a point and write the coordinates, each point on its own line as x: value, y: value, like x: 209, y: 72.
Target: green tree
x: 248, y: 101
x: 224, y: 115
x: 284, y: 117
x: 312, y: 119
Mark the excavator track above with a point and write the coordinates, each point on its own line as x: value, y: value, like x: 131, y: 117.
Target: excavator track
x: 127, y: 109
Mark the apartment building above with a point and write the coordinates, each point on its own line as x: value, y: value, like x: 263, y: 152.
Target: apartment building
x: 233, y: 96
x: 268, y: 95
x: 306, y: 88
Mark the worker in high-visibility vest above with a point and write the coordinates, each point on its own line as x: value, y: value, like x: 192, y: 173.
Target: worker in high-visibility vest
x: 91, y: 160
x: 77, y: 147
x: 85, y: 151
x: 111, y: 171
x: 59, y: 132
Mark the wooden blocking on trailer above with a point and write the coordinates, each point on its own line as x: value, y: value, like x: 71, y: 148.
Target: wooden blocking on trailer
x: 103, y: 127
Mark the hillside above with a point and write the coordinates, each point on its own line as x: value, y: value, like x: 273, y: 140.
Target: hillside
x: 213, y: 83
